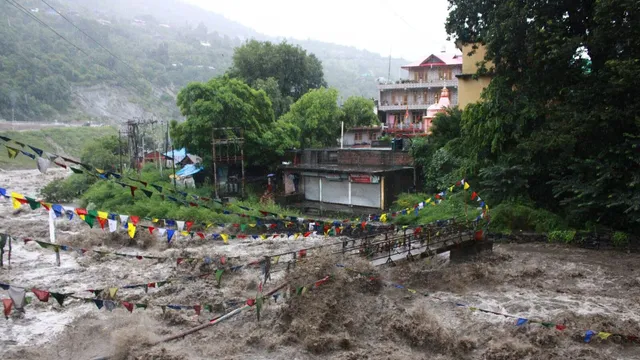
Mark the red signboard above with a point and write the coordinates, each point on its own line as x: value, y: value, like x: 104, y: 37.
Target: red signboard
x: 360, y: 178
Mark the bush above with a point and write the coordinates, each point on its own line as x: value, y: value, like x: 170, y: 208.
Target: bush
x: 508, y: 217
x: 566, y: 237
x: 66, y: 190
x: 452, y: 207
x: 620, y: 239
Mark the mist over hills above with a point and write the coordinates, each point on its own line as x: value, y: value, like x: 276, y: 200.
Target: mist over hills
x: 166, y: 44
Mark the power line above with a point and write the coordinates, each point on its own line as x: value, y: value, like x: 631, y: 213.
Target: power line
x: 28, y: 13
x: 97, y: 42
x: 20, y: 8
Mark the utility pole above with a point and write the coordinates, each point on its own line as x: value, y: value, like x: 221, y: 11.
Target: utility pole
x: 213, y: 153
x: 120, y: 149
x: 133, y: 135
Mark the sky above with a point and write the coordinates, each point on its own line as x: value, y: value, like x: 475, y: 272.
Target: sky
x: 410, y: 29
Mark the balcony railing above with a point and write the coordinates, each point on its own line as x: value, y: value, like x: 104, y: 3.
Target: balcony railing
x: 410, y: 84
x: 387, y: 107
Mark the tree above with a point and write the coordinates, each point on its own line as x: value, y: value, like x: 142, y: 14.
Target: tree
x: 358, y: 111
x: 317, y: 115
x: 295, y: 71
x: 104, y: 153
x: 558, y: 122
x: 279, y: 102
x: 227, y: 102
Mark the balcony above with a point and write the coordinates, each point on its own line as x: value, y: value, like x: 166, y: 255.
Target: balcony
x: 387, y: 107
x: 411, y: 84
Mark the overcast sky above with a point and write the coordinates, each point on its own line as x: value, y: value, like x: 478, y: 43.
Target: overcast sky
x: 410, y: 28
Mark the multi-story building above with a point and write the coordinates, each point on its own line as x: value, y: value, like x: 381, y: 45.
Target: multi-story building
x: 403, y: 104
x: 471, y: 86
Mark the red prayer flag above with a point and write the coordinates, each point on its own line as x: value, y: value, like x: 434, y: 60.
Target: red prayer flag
x: 474, y: 195
x: 189, y: 225
x: 197, y: 308
x: 128, y: 305
x: 133, y: 190
x: 81, y: 211
x: 250, y: 302
x: 223, y: 260
x: 560, y: 327
x: 264, y: 213
x: 273, y: 226
x: 42, y: 295
x: 134, y: 219
x: 193, y: 204
x: 200, y: 234
x: 8, y: 303
x: 307, y: 234
x: 363, y: 224
x: 180, y: 260
x: 303, y: 253
x: 44, y: 205
x: 151, y: 285
x: 438, y: 196
x: 102, y: 222
x: 151, y: 228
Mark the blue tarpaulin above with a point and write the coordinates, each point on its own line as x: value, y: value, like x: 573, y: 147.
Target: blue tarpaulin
x: 189, y: 170
x: 177, y: 155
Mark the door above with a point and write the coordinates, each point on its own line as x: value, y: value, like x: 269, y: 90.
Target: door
x: 365, y: 195
x: 335, y: 192
x: 312, y: 188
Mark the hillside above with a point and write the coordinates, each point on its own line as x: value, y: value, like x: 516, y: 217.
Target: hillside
x: 166, y: 44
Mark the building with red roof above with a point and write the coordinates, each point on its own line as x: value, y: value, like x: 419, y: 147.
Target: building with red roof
x: 404, y: 104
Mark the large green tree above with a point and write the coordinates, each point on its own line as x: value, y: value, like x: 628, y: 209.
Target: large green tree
x: 318, y: 116
x: 358, y: 111
x: 227, y: 102
x: 295, y: 71
x: 558, y: 124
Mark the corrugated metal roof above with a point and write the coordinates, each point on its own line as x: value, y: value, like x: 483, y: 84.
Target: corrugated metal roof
x: 447, y: 58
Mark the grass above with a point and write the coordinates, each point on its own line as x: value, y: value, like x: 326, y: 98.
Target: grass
x: 64, y: 141
x: 452, y: 207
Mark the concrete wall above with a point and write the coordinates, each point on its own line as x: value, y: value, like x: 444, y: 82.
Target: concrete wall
x: 469, y: 88
x: 372, y: 157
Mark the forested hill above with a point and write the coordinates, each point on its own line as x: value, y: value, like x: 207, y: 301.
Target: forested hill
x: 165, y: 44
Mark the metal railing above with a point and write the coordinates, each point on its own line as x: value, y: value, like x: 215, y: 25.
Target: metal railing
x: 418, y: 84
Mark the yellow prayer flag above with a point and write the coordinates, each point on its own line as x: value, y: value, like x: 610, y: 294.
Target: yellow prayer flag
x: 466, y: 185
x: 81, y: 216
x: 100, y: 171
x: 155, y: 220
x: 263, y: 237
x: 486, y: 207
x: 275, y: 260
x: 131, y: 230
x: 103, y: 215
x: 225, y: 238
x: 428, y: 200
x: 433, y: 204
x: 383, y: 218
x: 252, y: 225
x: 473, y: 308
x: 411, y: 291
x: 184, y: 233
x: 296, y: 236
x: 604, y: 335
x: 15, y: 202
x: 304, y: 290
x: 113, y: 291
x: 451, y: 188
x: 12, y: 152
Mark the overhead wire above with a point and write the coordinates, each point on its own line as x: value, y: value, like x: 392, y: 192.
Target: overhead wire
x: 29, y: 14
x: 100, y: 45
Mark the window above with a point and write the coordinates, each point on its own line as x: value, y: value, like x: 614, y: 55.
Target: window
x: 358, y: 136
x: 405, y: 99
x: 444, y: 73
x: 373, y: 136
x: 393, y: 99
x: 415, y: 97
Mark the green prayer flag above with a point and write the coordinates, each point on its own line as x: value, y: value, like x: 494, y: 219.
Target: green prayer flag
x: 160, y: 283
x: 259, y: 302
x: 89, y: 219
x: 33, y: 203
x: 209, y: 308
x: 299, y: 290
x: 219, y: 275
x: 43, y: 244
x: 141, y: 306
x: 548, y: 325
x: 59, y: 297
x: 243, y: 227
x: 28, y: 299
x: 77, y: 171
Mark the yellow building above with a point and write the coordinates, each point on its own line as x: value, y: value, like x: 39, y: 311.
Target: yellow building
x: 469, y: 88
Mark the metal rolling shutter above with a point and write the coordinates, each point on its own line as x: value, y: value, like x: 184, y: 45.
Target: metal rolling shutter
x: 335, y: 192
x: 365, y: 195
x: 312, y: 188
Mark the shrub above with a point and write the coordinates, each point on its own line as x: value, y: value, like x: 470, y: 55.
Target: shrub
x: 508, y: 217
x: 566, y: 237
x: 66, y: 190
x: 620, y: 239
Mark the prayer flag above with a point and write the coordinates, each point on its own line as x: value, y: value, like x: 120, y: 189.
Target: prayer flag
x: 466, y: 185
x: 42, y: 295
x: 131, y: 230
